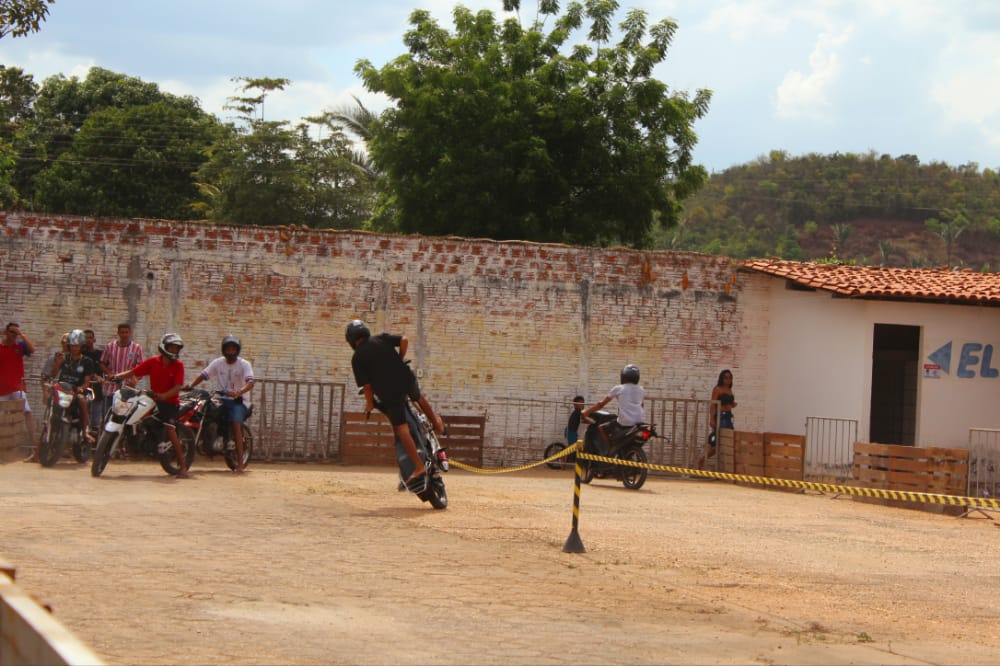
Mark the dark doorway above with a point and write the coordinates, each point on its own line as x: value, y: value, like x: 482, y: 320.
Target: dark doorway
x: 895, y: 357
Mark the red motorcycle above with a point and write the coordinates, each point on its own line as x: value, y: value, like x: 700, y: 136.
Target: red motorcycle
x: 203, y: 412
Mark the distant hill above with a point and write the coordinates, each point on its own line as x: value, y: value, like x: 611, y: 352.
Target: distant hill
x: 868, y: 209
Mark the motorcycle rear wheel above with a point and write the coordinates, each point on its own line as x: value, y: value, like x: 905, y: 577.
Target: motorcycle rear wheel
x: 247, y: 449
x: 168, y: 459
x: 634, y: 477
x: 102, y: 454
x: 52, y: 447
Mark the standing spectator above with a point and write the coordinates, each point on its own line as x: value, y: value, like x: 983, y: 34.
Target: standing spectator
x: 94, y: 354
x: 234, y: 377
x: 14, y: 347
x: 572, y: 431
x: 166, y: 379
x: 721, y: 415
x: 120, y: 355
x: 49, y: 371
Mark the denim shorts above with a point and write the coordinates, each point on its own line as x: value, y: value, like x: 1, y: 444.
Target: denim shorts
x: 236, y: 411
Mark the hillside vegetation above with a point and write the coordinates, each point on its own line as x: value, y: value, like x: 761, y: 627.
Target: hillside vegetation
x: 868, y: 209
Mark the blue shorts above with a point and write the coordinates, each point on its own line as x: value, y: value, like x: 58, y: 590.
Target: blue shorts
x: 236, y: 411
x: 726, y: 420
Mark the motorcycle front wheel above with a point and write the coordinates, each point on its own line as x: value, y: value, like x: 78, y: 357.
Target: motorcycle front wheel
x: 168, y: 459
x: 231, y: 457
x: 634, y: 477
x: 102, y: 454
x: 551, y: 450
x: 52, y: 447
x: 436, y: 494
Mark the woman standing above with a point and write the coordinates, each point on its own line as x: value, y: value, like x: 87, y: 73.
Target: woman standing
x: 721, y: 415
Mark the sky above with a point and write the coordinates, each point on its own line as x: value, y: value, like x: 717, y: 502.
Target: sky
x: 916, y: 77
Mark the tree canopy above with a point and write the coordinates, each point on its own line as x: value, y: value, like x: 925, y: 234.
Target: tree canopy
x: 508, y: 132
x: 21, y: 17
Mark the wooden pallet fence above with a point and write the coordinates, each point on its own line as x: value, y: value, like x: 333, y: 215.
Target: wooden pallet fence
x: 768, y: 454
x: 371, y: 441
x: 914, y: 469
x: 12, y: 430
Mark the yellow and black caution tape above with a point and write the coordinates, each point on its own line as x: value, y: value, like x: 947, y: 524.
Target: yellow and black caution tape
x: 503, y: 470
x: 930, y: 498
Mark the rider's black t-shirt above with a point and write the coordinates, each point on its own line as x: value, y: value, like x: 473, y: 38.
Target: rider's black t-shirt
x: 377, y: 362
x: 74, y: 371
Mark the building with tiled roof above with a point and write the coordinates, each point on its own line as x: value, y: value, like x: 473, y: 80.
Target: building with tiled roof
x: 905, y: 284
x: 907, y: 354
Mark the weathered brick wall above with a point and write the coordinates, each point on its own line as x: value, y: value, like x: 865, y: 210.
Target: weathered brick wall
x: 488, y: 321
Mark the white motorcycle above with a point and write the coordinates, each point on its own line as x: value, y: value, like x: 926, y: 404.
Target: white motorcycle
x: 132, y: 423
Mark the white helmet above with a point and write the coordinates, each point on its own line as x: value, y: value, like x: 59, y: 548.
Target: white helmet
x: 171, y: 339
x: 76, y: 337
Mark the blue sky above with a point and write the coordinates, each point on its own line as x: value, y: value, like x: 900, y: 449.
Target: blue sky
x: 917, y: 77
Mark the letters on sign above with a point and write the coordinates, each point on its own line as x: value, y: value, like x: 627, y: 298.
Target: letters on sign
x: 975, y: 359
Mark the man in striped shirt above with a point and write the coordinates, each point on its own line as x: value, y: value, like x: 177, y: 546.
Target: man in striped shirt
x: 119, y: 356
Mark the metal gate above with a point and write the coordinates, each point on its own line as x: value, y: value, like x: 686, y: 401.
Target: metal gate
x: 984, y: 462
x: 297, y: 421
x: 829, y: 454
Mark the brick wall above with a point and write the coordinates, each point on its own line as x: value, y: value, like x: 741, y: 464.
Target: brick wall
x: 488, y: 321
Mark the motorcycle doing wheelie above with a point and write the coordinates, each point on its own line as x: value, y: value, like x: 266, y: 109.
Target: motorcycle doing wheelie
x: 204, y: 413
x: 622, y: 443
x: 63, y: 426
x: 133, y: 426
x: 430, y: 486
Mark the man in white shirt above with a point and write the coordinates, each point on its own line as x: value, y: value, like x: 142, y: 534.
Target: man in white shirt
x: 234, y: 378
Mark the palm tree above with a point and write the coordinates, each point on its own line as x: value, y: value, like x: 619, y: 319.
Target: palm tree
x: 357, y: 120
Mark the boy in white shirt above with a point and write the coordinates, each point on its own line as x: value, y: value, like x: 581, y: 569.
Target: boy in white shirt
x: 629, y: 395
x: 233, y: 377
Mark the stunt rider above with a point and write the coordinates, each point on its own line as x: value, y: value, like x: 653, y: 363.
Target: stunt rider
x: 233, y: 377
x: 78, y: 370
x: 380, y: 371
x: 630, y: 412
x: 166, y: 379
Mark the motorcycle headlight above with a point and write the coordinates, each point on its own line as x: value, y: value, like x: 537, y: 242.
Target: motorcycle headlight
x: 65, y: 400
x: 119, y: 408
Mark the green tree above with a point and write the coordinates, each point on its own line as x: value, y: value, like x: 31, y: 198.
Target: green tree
x: 21, y: 17
x: 506, y: 131
x: 949, y: 229
x: 268, y: 173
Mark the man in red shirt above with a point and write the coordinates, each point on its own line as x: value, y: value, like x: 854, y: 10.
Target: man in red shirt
x: 13, y: 348
x: 166, y: 379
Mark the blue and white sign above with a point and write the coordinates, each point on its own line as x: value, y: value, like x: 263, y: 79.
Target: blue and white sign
x: 975, y: 359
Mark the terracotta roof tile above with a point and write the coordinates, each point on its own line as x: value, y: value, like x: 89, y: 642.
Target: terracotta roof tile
x: 887, y: 283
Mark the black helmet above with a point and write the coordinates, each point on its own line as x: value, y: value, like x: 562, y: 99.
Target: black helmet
x: 356, y: 330
x: 630, y: 374
x: 171, y: 339
x: 231, y: 340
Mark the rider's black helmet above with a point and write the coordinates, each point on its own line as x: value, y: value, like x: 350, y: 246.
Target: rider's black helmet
x: 630, y: 374
x: 231, y: 340
x: 356, y: 330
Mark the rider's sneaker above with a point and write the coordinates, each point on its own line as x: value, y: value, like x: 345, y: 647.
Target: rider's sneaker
x: 183, y: 474
x: 442, y: 457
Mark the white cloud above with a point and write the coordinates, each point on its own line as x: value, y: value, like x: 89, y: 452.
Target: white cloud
x: 806, y: 95
x: 965, y: 84
x: 748, y: 20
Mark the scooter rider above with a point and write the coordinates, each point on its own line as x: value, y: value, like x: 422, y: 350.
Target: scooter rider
x: 380, y: 371
x: 78, y: 370
x: 166, y: 379
x: 234, y: 377
x: 630, y: 411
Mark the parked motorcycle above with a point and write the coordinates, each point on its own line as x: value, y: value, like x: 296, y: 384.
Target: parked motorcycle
x: 63, y: 428
x: 430, y: 486
x: 133, y: 424
x: 205, y: 415
x: 626, y: 444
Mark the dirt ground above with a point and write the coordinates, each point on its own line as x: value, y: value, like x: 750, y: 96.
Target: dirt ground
x: 296, y: 564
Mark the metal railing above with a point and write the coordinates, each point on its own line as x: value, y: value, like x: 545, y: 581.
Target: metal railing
x: 984, y: 462
x: 829, y: 453
x: 297, y: 421
x: 518, y: 430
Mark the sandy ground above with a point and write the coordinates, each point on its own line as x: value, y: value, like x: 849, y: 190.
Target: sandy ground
x: 296, y: 564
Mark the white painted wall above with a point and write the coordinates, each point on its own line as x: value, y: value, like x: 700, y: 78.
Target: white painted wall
x: 819, y: 363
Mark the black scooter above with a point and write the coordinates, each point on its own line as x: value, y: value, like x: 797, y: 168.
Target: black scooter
x: 619, y: 442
